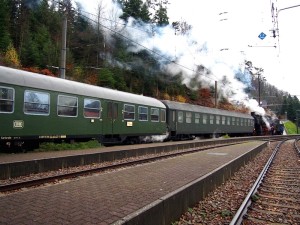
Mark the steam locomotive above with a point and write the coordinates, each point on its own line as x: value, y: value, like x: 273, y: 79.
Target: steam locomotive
x: 266, y: 125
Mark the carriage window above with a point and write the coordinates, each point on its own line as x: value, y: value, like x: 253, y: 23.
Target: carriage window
x: 91, y: 108
x: 180, y: 117
x: 163, y: 115
x: 129, y: 112
x: 188, y: 117
x: 173, y: 116
x: 204, y: 119
x: 211, y: 119
x: 223, y: 120
x: 242, y: 122
x: 217, y: 119
x: 154, y: 115
x: 233, y: 121
x: 228, y: 120
x: 237, y: 121
x: 67, y: 106
x: 7, y: 98
x: 143, y: 113
x: 36, y: 103
x: 197, y: 117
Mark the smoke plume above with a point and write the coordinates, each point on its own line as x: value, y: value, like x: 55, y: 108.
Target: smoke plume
x: 197, y: 56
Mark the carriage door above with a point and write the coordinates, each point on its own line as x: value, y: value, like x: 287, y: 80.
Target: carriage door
x: 112, y: 116
x: 172, y: 121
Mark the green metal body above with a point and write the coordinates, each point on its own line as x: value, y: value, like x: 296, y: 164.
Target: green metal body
x: 186, y: 119
x: 18, y: 126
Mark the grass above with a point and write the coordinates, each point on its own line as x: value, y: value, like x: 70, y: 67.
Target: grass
x: 226, y: 136
x: 290, y: 127
x: 49, y: 146
x: 255, y: 197
x: 190, y: 210
x: 226, y: 213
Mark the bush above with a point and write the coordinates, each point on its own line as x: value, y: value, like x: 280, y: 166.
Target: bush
x: 50, y: 146
x: 290, y: 127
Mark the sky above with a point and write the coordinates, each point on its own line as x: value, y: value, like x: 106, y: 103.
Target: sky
x: 239, y: 28
x: 224, y: 34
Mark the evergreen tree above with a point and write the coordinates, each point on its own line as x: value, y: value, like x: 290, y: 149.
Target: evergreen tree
x: 19, y: 23
x: 105, y: 78
x: 159, y: 7
x: 4, y: 25
x: 145, y: 14
x: 161, y: 17
x: 38, y: 48
x: 283, y: 109
x: 291, y: 113
x: 290, y: 106
x: 120, y: 83
x: 135, y: 9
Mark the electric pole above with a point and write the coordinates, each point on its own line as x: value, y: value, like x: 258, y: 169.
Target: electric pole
x: 63, y: 44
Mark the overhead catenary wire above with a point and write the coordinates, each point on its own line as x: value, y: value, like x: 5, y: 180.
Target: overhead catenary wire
x: 137, y: 43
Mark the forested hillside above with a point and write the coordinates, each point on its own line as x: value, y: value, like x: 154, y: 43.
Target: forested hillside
x: 100, y: 52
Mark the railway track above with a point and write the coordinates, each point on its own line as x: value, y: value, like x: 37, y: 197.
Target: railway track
x: 275, y: 196
x: 56, y: 176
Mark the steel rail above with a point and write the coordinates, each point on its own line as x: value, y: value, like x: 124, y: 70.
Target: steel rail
x: 296, y: 146
x: 238, y: 218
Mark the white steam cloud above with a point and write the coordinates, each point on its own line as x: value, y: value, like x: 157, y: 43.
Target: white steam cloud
x: 185, y: 53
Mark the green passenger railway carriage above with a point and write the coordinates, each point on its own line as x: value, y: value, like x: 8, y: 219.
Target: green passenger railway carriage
x: 186, y: 121
x: 36, y: 108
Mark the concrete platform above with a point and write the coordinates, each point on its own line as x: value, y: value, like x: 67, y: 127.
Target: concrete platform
x: 154, y: 193
x: 15, y: 165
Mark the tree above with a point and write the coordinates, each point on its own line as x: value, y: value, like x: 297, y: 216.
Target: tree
x: 181, y: 27
x: 91, y: 78
x: 159, y: 7
x: 225, y: 104
x: 161, y: 16
x: 105, y: 78
x: 78, y: 73
x: 100, y: 36
x: 283, y: 109
x: 291, y: 107
x: 180, y: 98
x: 120, y: 83
x: 205, y: 97
x: 11, y: 57
x: 5, y: 39
x: 145, y: 14
x: 135, y: 9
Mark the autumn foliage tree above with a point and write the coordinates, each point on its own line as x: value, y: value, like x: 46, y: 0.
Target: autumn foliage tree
x: 91, y: 78
x: 180, y: 98
x: 11, y: 57
x: 205, y: 98
x: 225, y: 104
